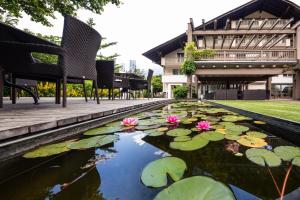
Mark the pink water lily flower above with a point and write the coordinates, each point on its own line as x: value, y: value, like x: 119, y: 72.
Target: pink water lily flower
x: 129, y: 122
x: 173, y: 119
x: 203, y: 125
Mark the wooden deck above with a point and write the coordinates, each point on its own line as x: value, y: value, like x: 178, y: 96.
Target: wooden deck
x: 25, y: 118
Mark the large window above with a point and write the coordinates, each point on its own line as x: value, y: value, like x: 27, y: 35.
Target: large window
x: 180, y: 57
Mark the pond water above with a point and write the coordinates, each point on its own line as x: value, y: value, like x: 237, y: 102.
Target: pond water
x: 113, y: 171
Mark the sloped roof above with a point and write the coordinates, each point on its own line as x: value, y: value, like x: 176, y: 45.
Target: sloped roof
x: 280, y: 8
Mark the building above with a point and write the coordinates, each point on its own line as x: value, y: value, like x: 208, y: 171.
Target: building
x: 257, y: 52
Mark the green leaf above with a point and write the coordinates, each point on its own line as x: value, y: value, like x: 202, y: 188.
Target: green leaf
x: 91, y: 142
x: 102, y: 130
x: 237, y: 128
x: 263, y: 157
x: 289, y: 153
x: 197, y: 142
x: 196, y: 188
x: 212, y: 136
x: 256, y: 134
x: 252, y: 141
x: 179, y: 132
x: 154, y: 133
x: 234, y: 118
x: 142, y: 128
x: 155, y: 173
x: 232, y: 137
x: 49, y: 150
x: 182, y: 138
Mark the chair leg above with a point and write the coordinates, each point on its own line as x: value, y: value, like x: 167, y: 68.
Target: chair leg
x: 64, y: 92
x: 84, y: 91
x: 92, y: 89
x: 57, y: 93
x: 113, y: 94
x: 37, y: 92
x: 96, y: 93
x: 1, y: 88
x: 13, y: 92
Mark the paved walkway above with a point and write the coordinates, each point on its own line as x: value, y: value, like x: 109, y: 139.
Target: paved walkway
x: 25, y: 117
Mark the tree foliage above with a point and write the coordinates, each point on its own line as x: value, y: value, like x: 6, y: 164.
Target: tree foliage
x: 180, y: 92
x: 41, y: 10
x: 157, y: 84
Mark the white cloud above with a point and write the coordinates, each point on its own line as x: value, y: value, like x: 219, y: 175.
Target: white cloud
x: 139, y: 25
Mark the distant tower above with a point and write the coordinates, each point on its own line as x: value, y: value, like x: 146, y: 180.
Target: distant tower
x: 132, y: 66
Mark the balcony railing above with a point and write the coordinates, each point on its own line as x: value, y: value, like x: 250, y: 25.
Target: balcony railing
x: 264, y: 55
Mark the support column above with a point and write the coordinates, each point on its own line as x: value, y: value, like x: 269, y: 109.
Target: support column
x: 296, y: 85
x: 268, y: 88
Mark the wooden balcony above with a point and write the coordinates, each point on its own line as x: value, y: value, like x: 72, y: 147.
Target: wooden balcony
x: 252, y: 57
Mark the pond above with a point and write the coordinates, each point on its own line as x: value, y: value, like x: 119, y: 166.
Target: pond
x: 226, y: 156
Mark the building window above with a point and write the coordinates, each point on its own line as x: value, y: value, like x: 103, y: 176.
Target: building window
x: 176, y: 72
x: 180, y: 57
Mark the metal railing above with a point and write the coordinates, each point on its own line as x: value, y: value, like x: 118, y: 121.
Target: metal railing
x: 242, y: 55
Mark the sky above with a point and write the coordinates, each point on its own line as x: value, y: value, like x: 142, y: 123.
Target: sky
x: 140, y: 25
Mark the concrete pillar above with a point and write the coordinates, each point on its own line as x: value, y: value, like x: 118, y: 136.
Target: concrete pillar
x: 269, y: 87
x: 296, y: 86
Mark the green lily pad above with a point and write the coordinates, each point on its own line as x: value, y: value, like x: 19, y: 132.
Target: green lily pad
x: 195, y: 129
x: 49, y: 150
x: 256, y: 134
x: 263, y: 157
x: 196, y: 188
x: 186, y: 122
x: 142, y: 128
x: 212, y: 136
x: 197, y: 142
x: 91, y: 142
x: 218, y: 126
x: 154, y: 133
x: 237, y: 128
x: 155, y: 173
x: 232, y: 137
x: 289, y: 153
x: 211, y: 118
x: 179, y: 132
x: 114, y: 124
x: 252, y: 141
x: 182, y: 138
x: 226, y: 124
x: 103, y: 130
x: 234, y: 118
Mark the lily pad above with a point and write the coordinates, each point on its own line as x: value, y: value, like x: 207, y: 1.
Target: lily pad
x: 155, y: 173
x: 49, y: 150
x: 232, y: 137
x: 154, y: 133
x: 234, y: 118
x: 289, y: 153
x: 196, y: 188
x: 256, y: 134
x: 212, y: 136
x: 259, y: 122
x: 218, y: 126
x: 103, y: 130
x: 182, y: 138
x: 195, y: 130
x: 252, y: 141
x: 162, y: 129
x: 114, y: 124
x: 263, y: 157
x: 142, y: 128
x: 237, y: 128
x: 91, y: 142
x: 179, y: 132
x: 197, y: 142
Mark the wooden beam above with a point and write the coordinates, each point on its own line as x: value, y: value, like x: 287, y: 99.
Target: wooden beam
x: 288, y: 23
x: 277, y: 41
x: 251, y: 24
x: 215, y: 24
x: 259, y: 41
x: 268, y: 41
x: 296, y: 25
x: 231, y: 42
x: 227, y: 25
x: 263, y: 24
x: 204, y: 41
x: 223, y: 40
x: 275, y: 23
x: 192, y: 24
x: 241, y: 41
x: 249, y: 42
x: 239, y: 24
x: 244, y: 32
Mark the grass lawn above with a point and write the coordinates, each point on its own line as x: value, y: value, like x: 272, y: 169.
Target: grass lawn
x: 289, y: 110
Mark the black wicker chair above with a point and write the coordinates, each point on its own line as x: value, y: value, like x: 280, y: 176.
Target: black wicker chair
x: 107, y: 80
x: 141, y: 84
x: 77, y: 54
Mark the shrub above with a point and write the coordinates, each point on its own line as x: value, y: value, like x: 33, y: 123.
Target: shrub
x: 188, y: 67
x: 180, y: 92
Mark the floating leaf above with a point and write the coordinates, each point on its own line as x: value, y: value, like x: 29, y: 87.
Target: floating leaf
x: 232, y: 137
x: 212, y: 136
x: 162, y: 129
x: 223, y: 131
x: 259, y: 122
x: 237, y: 128
x: 226, y: 124
x: 97, y: 141
x: 196, y: 188
x: 49, y: 150
x: 234, y: 118
x: 238, y: 154
x: 182, y: 138
x: 197, y: 142
x: 114, y: 124
x: 195, y: 129
x: 179, y: 132
x: 155, y: 173
x: 289, y: 153
x: 218, y: 126
x: 263, y: 157
x: 211, y: 118
x: 251, y: 141
x: 142, y: 128
x: 154, y: 133
x: 256, y: 134
x: 103, y: 130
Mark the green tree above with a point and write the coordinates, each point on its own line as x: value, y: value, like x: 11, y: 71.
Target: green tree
x: 41, y: 10
x: 157, y: 84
